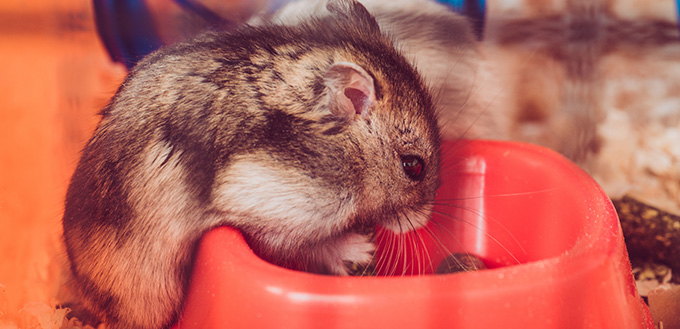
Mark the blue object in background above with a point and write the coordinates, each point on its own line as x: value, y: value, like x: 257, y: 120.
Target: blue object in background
x: 677, y: 10
x: 127, y: 30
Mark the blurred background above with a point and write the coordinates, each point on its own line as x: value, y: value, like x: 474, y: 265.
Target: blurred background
x: 54, y: 77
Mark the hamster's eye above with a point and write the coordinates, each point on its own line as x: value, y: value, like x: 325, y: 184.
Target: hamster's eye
x: 413, y: 166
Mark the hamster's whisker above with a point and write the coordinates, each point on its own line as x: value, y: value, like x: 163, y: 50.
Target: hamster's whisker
x: 500, y: 195
x: 413, y: 245
x: 388, y: 265
x: 441, y: 246
x: 491, y: 237
x: 365, y: 270
x: 421, y: 266
x: 486, y: 218
x: 401, y: 245
x: 396, y: 246
x: 380, y: 261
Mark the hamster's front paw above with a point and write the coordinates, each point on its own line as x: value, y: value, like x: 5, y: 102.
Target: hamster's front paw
x: 351, y: 254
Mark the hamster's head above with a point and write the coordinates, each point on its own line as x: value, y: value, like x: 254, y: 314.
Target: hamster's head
x: 390, y: 125
x: 390, y: 116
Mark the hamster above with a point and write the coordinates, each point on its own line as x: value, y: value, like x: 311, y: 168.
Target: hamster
x: 301, y: 136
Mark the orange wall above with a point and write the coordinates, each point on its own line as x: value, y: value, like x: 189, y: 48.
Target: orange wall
x: 54, y: 77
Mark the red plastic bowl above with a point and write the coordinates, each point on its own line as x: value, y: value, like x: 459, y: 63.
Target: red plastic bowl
x: 548, y: 233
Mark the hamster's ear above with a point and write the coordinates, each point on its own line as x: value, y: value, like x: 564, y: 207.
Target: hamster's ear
x: 351, y: 90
